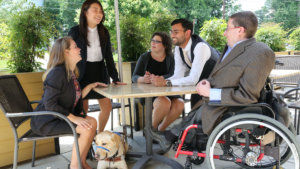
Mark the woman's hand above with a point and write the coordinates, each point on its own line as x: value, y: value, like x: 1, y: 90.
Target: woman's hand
x: 147, y: 77
x: 80, y: 121
x: 90, y: 86
x: 97, y: 84
x: 119, y: 83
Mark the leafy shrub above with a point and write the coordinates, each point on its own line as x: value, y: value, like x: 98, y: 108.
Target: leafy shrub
x: 133, y: 36
x: 161, y: 22
x: 272, y: 35
x: 212, y: 31
x: 4, y: 32
x: 30, y: 33
x: 294, y: 38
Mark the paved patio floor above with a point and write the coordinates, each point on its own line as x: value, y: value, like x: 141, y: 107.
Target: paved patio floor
x: 138, y: 143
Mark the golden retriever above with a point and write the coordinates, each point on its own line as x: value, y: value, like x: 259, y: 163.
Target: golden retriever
x: 111, y: 150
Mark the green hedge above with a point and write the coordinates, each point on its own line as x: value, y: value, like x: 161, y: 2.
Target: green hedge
x: 273, y: 35
x: 294, y: 39
x: 212, y: 31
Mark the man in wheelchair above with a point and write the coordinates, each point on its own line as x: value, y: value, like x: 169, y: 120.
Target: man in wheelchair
x: 237, y: 80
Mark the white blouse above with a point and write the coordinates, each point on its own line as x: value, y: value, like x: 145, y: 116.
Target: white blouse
x: 94, y: 53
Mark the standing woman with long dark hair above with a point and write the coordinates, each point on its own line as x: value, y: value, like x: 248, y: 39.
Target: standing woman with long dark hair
x: 97, y: 63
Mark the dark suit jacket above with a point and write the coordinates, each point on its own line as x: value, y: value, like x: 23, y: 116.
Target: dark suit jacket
x: 105, y: 49
x: 241, y: 76
x: 142, y: 64
x: 59, y: 96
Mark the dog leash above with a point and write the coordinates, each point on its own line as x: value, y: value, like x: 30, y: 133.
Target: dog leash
x: 106, y: 148
x: 102, y: 148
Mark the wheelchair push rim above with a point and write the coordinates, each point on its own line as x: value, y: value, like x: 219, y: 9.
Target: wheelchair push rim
x: 252, y: 119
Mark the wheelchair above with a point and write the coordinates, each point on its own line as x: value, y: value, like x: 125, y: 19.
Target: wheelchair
x: 246, y: 139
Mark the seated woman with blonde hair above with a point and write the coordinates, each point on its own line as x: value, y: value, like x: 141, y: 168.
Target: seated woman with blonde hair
x: 62, y: 94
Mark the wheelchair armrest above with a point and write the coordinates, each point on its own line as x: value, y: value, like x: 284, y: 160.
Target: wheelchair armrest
x: 288, y: 92
x: 238, y: 105
x: 263, y: 105
x: 38, y: 113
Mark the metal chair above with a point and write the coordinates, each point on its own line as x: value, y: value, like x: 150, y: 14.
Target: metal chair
x: 17, y: 109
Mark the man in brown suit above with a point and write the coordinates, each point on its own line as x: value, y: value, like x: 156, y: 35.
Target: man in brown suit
x: 240, y: 73
x: 238, y: 76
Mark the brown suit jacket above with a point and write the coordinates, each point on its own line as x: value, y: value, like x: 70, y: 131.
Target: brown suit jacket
x: 241, y: 76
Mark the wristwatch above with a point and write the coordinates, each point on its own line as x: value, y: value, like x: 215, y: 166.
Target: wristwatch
x: 168, y: 83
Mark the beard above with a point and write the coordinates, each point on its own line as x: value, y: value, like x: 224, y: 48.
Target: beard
x: 178, y: 42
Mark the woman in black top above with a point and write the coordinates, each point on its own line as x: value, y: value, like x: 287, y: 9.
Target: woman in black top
x: 159, y: 62
x: 97, y: 63
x: 62, y: 94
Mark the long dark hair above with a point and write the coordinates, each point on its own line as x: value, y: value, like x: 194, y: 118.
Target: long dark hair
x: 83, y: 26
x: 166, y: 41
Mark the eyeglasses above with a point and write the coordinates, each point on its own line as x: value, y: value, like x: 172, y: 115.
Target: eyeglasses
x: 232, y: 28
x: 156, y: 41
x: 176, y: 31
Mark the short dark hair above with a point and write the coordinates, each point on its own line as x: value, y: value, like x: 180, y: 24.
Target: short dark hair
x: 166, y: 41
x: 246, y: 19
x: 187, y: 25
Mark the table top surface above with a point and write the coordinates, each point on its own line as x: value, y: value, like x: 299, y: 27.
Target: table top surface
x: 136, y: 90
x: 280, y: 73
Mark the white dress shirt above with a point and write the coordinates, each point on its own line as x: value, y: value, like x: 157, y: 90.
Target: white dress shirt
x: 201, y: 54
x: 94, y: 53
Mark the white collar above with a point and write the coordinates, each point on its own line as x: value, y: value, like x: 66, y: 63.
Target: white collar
x: 188, y: 45
x: 92, y: 29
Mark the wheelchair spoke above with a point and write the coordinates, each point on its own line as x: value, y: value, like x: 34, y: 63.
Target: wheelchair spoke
x: 251, y: 144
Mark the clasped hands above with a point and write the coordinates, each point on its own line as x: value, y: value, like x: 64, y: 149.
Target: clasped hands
x: 154, y: 79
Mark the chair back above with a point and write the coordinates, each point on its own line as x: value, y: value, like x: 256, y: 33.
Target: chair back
x: 13, y: 99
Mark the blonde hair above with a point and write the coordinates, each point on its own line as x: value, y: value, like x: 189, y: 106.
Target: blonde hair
x: 57, y: 57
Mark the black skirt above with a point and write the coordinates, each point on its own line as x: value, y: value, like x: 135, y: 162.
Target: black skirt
x: 94, y: 72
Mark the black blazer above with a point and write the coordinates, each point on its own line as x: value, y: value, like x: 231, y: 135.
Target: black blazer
x: 142, y: 64
x: 59, y: 96
x: 105, y: 49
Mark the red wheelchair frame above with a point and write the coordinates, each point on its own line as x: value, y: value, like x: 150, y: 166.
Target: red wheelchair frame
x: 203, y: 155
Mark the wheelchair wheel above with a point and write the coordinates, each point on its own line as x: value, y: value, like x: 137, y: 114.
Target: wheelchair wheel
x: 251, y: 141
x: 285, y: 150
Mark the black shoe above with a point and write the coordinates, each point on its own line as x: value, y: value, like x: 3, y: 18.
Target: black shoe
x: 161, y: 133
x: 162, y: 141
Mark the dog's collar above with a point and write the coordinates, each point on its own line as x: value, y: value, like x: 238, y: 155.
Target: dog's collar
x: 102, y: 148
x: 114, y: 157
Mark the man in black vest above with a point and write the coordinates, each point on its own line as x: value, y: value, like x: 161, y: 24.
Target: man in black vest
x: 194, y: 58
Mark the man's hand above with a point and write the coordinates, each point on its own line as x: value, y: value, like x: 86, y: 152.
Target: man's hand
x: 203, y: 88
x: 158, y: 80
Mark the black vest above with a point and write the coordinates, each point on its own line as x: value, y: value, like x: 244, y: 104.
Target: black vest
x: 210, y: 63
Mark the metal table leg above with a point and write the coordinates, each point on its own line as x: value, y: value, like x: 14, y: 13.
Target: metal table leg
x: 149, y: 155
